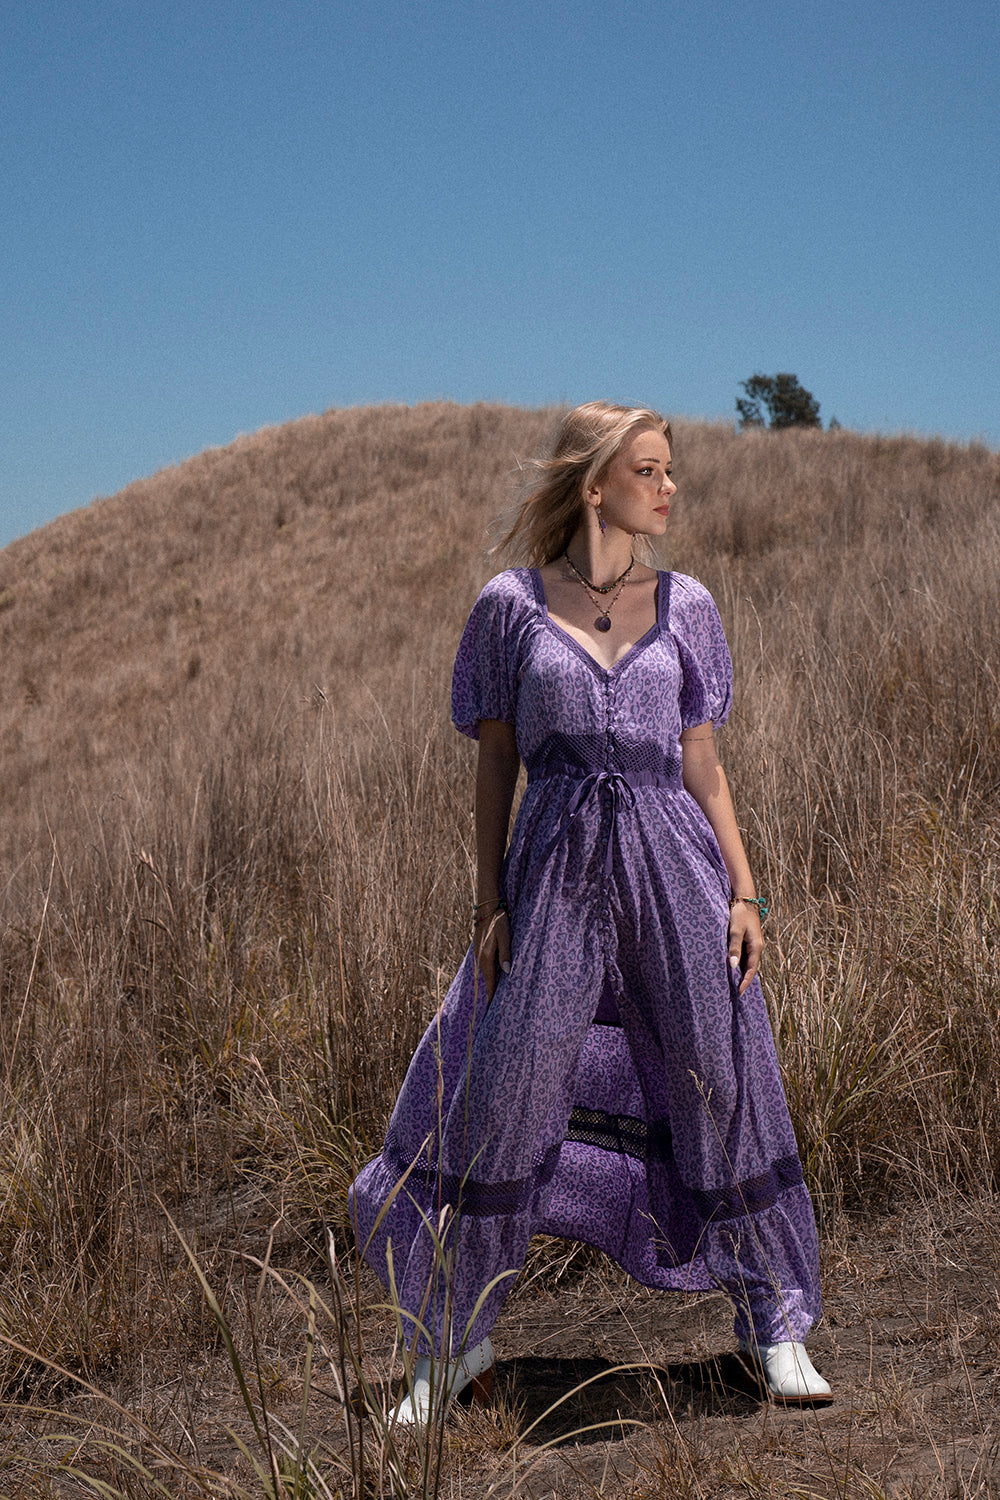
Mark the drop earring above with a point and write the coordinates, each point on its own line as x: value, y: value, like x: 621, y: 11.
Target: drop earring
x: 600, y: 519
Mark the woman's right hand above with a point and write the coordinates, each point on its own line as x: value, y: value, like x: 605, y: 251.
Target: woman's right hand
x: 491, y: 945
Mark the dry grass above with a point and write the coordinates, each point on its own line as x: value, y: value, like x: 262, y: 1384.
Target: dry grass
x: 235, y: 834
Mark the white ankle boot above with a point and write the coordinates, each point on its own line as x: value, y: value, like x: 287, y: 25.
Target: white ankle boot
x: 437, y: 1379
x: 788, y: 1373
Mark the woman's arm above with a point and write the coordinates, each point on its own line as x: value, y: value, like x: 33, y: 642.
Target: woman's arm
x: 705, y: 779
x: 496, y: 778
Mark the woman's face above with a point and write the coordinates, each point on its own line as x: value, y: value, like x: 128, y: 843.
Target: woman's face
x: 635, y: 492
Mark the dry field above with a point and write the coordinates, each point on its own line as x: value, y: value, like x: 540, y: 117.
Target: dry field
x: 235, y: 854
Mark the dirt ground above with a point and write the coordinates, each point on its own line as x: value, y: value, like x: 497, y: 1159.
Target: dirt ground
x: 909, y: 1341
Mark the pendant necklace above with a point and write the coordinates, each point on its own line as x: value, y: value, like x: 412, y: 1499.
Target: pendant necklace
x: 603, y: 621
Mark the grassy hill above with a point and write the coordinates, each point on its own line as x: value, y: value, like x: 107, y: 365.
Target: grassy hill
x: 340, y: 553
x: 235, y: 832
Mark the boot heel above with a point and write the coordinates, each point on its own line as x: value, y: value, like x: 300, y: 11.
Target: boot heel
x: 481, y: 1388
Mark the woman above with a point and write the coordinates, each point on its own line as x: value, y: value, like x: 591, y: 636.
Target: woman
x: 602, y: 1067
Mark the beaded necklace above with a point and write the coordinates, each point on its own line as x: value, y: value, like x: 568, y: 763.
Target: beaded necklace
x: 603, y: 621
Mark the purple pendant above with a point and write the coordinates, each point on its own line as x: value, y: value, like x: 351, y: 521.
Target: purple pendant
x: 604, y: 623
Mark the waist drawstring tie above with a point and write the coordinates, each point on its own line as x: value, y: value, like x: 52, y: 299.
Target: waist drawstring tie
x: 621, y: 787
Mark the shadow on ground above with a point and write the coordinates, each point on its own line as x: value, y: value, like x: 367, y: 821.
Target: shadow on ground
x: 560, y: 1399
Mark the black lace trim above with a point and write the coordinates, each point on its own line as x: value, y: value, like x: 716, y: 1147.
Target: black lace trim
x: 753, y: 1194
x: 626, y: 1136
x: 620, y: 1133
x: 469, y: 1195
x: 484, y: 1199
x: 653, y: 1143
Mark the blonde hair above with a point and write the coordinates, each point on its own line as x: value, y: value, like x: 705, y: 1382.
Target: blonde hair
x: 539, y: 527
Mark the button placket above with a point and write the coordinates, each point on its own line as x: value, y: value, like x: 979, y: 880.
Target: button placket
x: 607, y: 921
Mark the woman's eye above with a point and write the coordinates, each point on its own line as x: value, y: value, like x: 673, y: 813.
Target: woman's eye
x: 645, y: 471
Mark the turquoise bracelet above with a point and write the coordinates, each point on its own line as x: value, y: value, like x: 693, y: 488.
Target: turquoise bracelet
x: 498, y: 906
x: 758, y: 901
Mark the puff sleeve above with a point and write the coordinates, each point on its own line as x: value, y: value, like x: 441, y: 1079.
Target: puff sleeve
x: 707, y: 685
x: 484, y: 683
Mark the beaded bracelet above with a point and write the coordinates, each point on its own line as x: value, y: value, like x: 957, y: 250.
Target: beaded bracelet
x: 758, y: 901
x: 498, y: 905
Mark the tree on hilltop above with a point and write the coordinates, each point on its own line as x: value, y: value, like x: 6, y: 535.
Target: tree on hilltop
x: 786, y: 403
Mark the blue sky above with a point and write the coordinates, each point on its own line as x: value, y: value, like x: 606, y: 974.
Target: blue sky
x: 219, y: 215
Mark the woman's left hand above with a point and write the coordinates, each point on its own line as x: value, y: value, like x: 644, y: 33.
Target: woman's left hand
x: 746, y: 941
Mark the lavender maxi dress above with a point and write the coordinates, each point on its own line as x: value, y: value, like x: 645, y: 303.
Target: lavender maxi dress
x: 617, y: 1090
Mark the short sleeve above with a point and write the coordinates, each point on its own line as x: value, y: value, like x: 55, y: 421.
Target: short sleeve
x: 483, y: 684
x: 707, y: 685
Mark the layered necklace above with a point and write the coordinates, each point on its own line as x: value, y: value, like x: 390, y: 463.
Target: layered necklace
x: 614, y: 588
